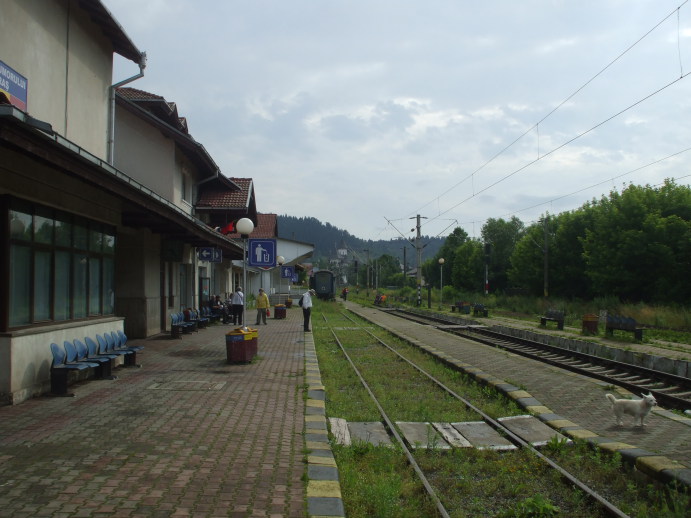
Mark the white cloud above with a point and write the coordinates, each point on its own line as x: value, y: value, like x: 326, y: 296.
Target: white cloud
x: 376, y: 109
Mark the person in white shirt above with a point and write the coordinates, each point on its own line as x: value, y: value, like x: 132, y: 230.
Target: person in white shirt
x: 237, y: 304
x: 307, y: 308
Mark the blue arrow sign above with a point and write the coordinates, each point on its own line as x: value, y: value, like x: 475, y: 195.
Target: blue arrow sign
x: 210, y: 254
x: 261, y: 252
x: 287, y: 272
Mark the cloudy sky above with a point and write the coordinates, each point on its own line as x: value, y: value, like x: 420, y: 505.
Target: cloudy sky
x: 366, y: 113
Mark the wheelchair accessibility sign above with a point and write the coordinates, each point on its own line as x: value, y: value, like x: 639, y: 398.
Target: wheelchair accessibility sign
x: 261, y: 252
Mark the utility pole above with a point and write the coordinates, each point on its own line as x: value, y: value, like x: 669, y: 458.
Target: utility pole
x: 405, y: 266
x: 418, y: 249
x: 546, y: 257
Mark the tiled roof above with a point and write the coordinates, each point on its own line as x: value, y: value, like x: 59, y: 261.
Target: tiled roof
x: 266, y: 227
x: 227, y: 199
x: 157, y: 105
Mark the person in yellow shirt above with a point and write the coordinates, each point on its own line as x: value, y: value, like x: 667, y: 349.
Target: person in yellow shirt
x: 262, y: 306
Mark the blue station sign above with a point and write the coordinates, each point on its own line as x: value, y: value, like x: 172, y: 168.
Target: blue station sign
x: 261, y: 252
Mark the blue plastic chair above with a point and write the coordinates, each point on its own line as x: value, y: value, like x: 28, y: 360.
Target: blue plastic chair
x: 60, y: 369
x: 105, y: 369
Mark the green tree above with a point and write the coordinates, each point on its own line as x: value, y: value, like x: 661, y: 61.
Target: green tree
x: 638, y: 247
x: 501, y: 236
x: 468, y: 271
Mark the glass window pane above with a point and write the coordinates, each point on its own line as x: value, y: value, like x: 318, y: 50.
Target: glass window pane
x: 95, y: 239
x: 94, y: 286
x: 108, y: 286
x: 63, y: 231
x: 42, y: 285
x: 62, y: 285
x: 108, y: 243
x: 20, y: 225
x: 79, y: 231
x: 20, y: 285
x: 79, y: 285
x: 43, y: 229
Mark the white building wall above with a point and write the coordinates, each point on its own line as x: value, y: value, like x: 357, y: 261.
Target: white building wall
x: 145, y: 154
x: 67, y: 62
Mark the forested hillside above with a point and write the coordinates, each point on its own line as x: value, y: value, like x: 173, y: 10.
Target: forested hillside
x: 326, y: 239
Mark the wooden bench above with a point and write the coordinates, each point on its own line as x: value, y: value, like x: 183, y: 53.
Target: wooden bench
x: 479, y: 310
x: 553, y: 315
x: 462, y: 307
x: 623, y: 324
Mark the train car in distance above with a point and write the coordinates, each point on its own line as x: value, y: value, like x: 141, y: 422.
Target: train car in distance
x: 324, y: 283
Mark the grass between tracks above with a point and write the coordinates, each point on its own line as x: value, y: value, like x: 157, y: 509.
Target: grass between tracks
x: 377, y: 481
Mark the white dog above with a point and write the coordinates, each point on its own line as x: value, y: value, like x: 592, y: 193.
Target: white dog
x: 638, y: 408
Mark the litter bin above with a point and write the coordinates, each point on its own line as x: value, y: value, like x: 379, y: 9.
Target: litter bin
x: 241, y: 345
x: 465, y: 308
x: 590, y: 324
x: 279, y: 311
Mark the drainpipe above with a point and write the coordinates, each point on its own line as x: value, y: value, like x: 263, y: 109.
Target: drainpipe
x: 111, y: 112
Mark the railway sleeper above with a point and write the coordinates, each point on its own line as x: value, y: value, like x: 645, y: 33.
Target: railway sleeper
x: 444, y: 436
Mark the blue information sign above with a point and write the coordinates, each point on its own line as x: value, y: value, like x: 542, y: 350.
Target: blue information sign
x: 210, y: 254
x: 287, y: 272
x: 261, y: 252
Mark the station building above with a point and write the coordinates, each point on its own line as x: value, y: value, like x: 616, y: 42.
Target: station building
x: 104, y: 194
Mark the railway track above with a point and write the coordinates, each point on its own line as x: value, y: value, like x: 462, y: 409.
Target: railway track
x: 670, y: 391
x: 609, y: 508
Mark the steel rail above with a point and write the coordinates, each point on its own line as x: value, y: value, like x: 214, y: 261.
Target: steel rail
x: 608, y: 506
x: 428, y: 487
x: 511, y: 343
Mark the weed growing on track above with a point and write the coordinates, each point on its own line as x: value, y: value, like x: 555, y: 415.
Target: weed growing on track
x: 377, y: 481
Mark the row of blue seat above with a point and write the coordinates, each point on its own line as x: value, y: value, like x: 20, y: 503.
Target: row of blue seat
x: 98, y: 355
x: 190, y: 320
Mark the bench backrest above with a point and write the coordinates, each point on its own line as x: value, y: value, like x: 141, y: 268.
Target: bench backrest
x: 91, y: 347
x: 82, y: 351
x: 102, y: 344
x: 59, y: 355
x: 71, y: 351
x: 123, y: 337
x: 620, y: 322
x: 554, y: 313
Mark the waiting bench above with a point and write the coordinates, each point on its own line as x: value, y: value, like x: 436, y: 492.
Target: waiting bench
x: 553, y: 315
x: 78, y: 355
x: 462, y: 307
x: 623, y: 324
x: 178, y: 325
x: 479, y: 310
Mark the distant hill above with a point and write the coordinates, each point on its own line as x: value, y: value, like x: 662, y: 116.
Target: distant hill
x: 327, y: 239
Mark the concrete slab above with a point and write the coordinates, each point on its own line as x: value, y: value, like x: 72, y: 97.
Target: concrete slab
x: 451, y: 435
x: 531, y: 429
x: 482, y: 436
x: 422, y: 435
x: 339, y: 429
x: 373, y: 433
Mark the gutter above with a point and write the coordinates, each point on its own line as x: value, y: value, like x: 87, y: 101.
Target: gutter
x: 111, y: 110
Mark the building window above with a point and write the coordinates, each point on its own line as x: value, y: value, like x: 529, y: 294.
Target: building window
x: 185, y: 189
x: 61, y: 266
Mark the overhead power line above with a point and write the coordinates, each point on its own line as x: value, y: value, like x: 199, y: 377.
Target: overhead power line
x: 567, y: 99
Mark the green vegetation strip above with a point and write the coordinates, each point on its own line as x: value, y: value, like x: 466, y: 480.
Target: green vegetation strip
x: 377, y: 481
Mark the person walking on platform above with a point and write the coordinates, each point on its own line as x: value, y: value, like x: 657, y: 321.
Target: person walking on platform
x: 237, y: 305
x: 262, y: 306
x: 307, y: 308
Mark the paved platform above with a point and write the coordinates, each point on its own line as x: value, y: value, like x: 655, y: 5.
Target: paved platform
x: 185, y: 435
x: 570, y: 403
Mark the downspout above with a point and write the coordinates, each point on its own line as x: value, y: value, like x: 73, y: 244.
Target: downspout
x: 111, y: 111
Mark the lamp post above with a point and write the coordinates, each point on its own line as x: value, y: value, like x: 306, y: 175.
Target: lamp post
x: 280, y: 260
x: 441, y: 282
x: 245, y: 228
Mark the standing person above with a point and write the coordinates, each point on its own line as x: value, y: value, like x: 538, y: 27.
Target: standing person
x: 307, y: 308
x: 262, y: 306
x: 237, y: 302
